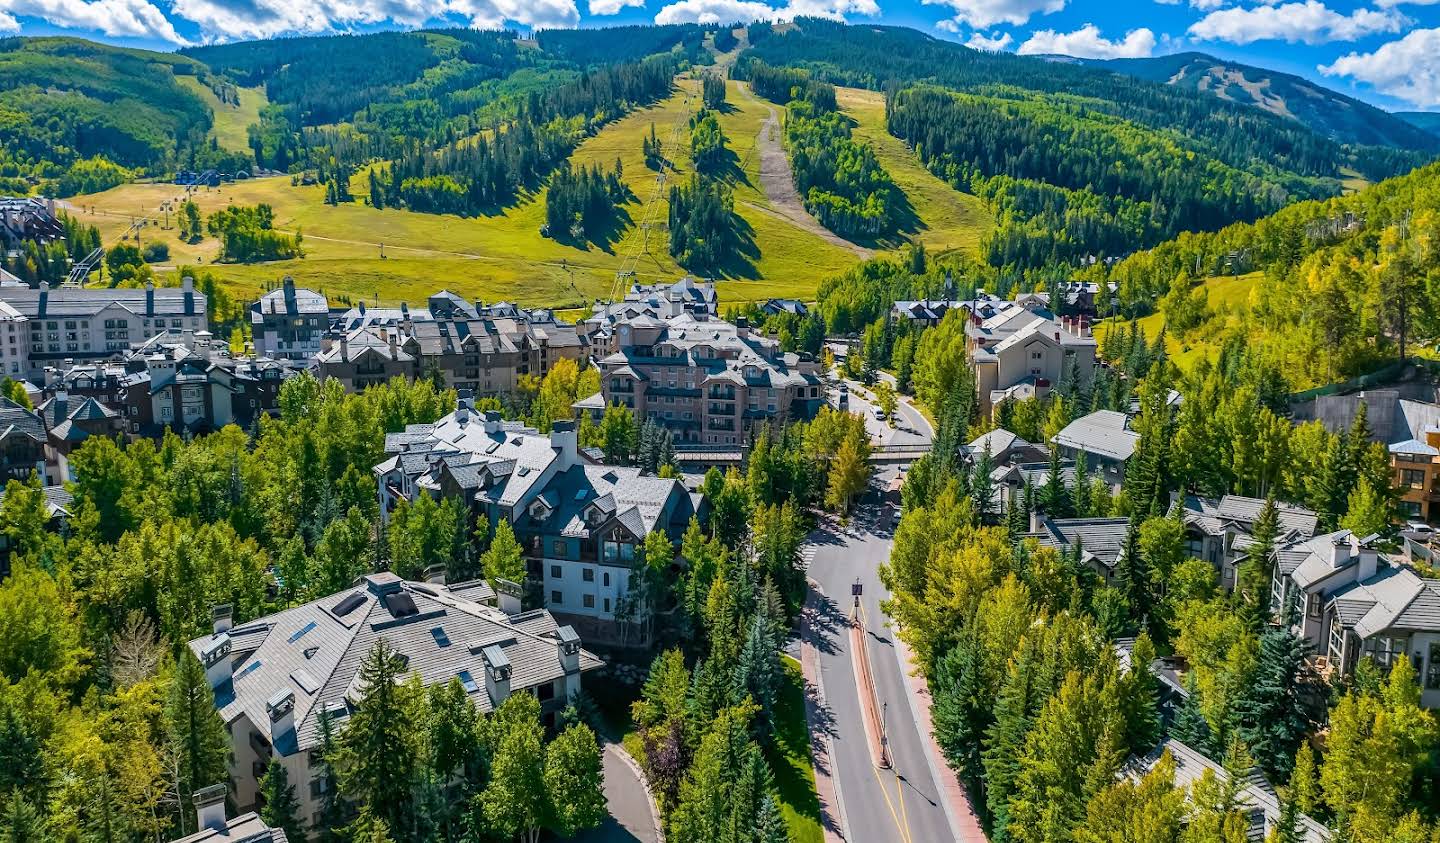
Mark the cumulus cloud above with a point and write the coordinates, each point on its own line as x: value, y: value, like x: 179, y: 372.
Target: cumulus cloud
x: 981, y: 14
x: 234, y: 19
x: 612, y: 7
x: 745, y: 11
x: 993, y: 43
x: 116, y: 18
x: 1206, y: 5
x: 1407, y: 69
x: 1088, y: 43
x: 1311, y: 22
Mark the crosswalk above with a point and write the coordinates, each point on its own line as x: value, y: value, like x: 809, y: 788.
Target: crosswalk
x: 807, y: 555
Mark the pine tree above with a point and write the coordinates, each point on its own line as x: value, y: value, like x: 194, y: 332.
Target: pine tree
x: 504, y: 558
x: 962, y: 705
x: 982, y: 486
x: 280, y: 808
x: 332, y: 809
x: 1270, y: 709
x: 758, y: 671
x: 770, y: 827
x: 1190, y: 726
x: 380, y: 746
x: 1055, y: 497
x: 1133, y: 578
x: 1140, y: 694
x: 197, y: 733
x: 21, y: 823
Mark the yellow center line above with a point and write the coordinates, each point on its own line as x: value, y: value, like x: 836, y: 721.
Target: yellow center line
x: 902, y: 820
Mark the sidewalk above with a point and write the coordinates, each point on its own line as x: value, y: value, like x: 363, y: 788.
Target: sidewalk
x: 958, y: 807
x: 832, y: 813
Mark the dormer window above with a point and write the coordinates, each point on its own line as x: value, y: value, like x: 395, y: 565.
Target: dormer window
x: 539, y: 510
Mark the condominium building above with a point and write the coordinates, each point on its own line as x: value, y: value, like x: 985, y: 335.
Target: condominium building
x: 77, y: 324
x: 484, y: 349
x: 288, y: 323
x: 706, y: 380
x: 580, y: 524
x: 274, y: 677
x: 1022, y: 350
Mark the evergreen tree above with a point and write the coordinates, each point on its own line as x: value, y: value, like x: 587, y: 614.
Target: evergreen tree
x: 197, y: 733
x: 770, y: 827
x: 1140, y: 694
x: 1055, y: 496
x: 1190, y: 726
x: 962, y: 706
x: 332, y: 809
x: 982, y: 486
x: 758, y: 671
x: 21, y: 823
x: 380, y: 743
x: 280, y: 809
x: 504, y: 558
x: 1134, y: 580
x: 514, y: 803
x: 1270, y: 709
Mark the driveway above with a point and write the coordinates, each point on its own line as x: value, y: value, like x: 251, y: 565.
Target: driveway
x: 630, y: 820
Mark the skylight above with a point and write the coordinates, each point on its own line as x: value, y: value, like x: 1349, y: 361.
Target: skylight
x: 441, y: 638
x: 467, y: 681
x: 301, y: 632
x: 249, y: 669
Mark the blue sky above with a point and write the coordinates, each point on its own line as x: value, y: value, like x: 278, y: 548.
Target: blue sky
x: 1384, y: 51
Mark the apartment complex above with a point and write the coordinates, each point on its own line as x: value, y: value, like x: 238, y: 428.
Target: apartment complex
x: 274, y: 677
x: 288, y: 323
x: 580, y: 524
x: 22, y: 442
x: 1021, y: 350
x: 1354, y: 602
x: 43, y: 327
x: 705, y: 380
x: 484, y: 349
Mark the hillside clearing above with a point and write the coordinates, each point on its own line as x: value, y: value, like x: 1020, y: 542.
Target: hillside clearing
x: 232, y: 122
x: 1227, y: 296
x: 495, y: 256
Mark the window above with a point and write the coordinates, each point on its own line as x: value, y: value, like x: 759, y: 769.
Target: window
x: 558, y: 548
x: 588, y: 601
x: 1432, y: 671
x: 607, y: 604
x: 1414, y: 478
x: 1385, y: 650
x: 555, y: 572
x: 545, y: 692
x: 605, y: 578
x: 1312, y: 605
x: 557, y: 599
x: 588, y: 574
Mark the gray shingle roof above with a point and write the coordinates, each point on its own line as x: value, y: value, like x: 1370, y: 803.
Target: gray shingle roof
x: 270, y: 653
x: 1103, y: 433
x: 246, y: 828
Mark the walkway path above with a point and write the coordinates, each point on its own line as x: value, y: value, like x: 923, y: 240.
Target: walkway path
x: 779, y: 184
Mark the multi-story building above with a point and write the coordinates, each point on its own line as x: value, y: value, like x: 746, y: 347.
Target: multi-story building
x: 484, y: 349
x: 1352, y: 602
x: 69, y: 424
x: 274, y: 677
x: 1220, y: 531
x: 1415, y: 464
x: 77, y: 324
x: 1024, y: 351
x: 1104, y: 439
x: 27, y: 219
x: 705, y: 380
x: 22, y: 442
x: 289, y: 323
x: 213, y: 826
x: 580, y: 524
x: 14, y: 343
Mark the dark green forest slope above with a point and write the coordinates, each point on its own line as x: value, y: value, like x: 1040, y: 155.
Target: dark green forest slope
x: 1341, y: 118
x: 77, y: 116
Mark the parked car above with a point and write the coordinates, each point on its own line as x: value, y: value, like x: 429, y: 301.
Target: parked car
x: 1420, y: 528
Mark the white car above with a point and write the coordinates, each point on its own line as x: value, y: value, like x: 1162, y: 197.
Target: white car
x: 879, y: 414
x: 1420, y: 528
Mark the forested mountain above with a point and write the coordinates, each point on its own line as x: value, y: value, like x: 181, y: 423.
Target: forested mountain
x: 1341, y: 118
x: 1427, y: 120
x: 77, y: 116
x: 880, y: 57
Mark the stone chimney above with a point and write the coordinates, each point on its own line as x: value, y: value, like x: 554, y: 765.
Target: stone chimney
x: 1369, y: 560
x: 210, y: 807
x: 215, y: 656
x: 492, y: 421
x: 462, y: 407
x: 187, y: 291
x: 435, y: 574
x: 564, y: 439
x: 391, y: 338
x: 281, y: 708
x: 507, y: 595
x: 497, y: 674
x: 344, y: 348
x: 62, y: 403
x: 742, y: 327
x: 149, y: 298
x: 221, y: 615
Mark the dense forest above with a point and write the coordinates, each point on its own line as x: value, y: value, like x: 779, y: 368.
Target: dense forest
x: 82, y: 116
x: 581, y: 203
x: 702, y: 223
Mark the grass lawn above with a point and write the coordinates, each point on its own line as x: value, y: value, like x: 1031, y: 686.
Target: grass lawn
x: 231, y: 121
x: 949, y: 219
x: 790, y: 760
x: 499, y: 256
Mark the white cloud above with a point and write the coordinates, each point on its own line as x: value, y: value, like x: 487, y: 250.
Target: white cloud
x: 1389, y: 4
x: 1087, y: 43
x: 116, y: 18
x: 612, y: 7
x: 235, y: 19
x: 992, y: 44
x: 1311, y: 22
x: 986, y: 13
x: 1207, y: 5
x: 1407, y: 69
x: 745, y: 11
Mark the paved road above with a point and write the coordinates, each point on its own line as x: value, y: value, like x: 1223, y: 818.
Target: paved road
x: 630, y: 820
x: 903, y: 804
x: 911, y: 428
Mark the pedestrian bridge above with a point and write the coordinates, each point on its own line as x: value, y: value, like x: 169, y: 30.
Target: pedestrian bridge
x: 702, y: 456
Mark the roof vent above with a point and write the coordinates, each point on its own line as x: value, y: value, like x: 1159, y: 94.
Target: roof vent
x: 351, y: 602
x: 401, y: 605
